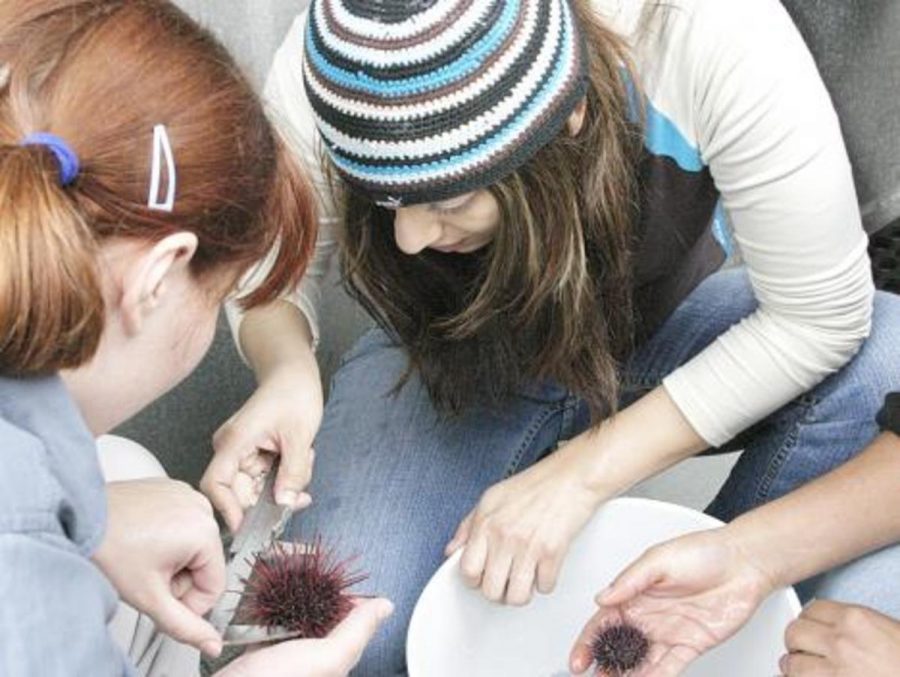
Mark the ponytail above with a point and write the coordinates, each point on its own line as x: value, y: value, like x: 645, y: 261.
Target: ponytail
x: 51, y: 304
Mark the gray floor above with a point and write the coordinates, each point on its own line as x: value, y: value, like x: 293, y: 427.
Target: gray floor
x: 692, y: 483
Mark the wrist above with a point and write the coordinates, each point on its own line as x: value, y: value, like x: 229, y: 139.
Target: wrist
x: 755, y: 546
x: 277, y: 337
x: 597, y: 450
x: 298, y: 363
x: 638, y: 442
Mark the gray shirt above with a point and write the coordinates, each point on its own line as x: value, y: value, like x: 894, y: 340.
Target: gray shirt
x: 55, y: 604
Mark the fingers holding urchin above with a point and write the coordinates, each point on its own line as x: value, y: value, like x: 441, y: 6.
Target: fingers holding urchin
x: 300, y: 589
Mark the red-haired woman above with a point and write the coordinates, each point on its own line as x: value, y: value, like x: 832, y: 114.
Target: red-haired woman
x: 139, y: 178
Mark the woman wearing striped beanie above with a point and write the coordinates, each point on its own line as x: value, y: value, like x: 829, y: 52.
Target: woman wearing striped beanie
x: 533, y: 199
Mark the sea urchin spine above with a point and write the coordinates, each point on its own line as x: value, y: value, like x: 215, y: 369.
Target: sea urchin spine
x: 619, y: 648
x: 302, y: 591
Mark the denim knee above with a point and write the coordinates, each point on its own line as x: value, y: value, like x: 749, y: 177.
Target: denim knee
x: 821, y: 429
x: 872, y: 581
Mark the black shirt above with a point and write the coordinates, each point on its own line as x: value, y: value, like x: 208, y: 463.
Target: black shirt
x: 889, y: 417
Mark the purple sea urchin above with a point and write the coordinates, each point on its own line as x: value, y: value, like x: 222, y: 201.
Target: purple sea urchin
x: 619, y: 648
x: 303, y: 591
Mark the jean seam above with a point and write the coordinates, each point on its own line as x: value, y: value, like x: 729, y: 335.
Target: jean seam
x: 646, y: 383
x: 641, y: 382
x: 530, y: 433
x: 808, y: 402
x: 568, y: 418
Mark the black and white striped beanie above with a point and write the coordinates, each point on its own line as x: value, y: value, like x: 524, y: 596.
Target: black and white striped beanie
x: 423, y: 100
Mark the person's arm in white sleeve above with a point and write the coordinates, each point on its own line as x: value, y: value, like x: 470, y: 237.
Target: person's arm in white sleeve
x: 289, y: 108
x: 767, y: 129
x: 278, y: 341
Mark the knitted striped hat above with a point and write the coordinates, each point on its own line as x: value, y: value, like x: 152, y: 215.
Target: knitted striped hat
x: 423, y: 100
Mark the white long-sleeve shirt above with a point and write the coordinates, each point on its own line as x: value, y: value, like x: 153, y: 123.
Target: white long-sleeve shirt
x: 736, y: 110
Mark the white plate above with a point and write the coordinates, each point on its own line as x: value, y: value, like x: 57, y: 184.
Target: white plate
x: 455, y: 632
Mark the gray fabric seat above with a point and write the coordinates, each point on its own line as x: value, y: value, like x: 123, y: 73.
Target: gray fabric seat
x: 857, y: 49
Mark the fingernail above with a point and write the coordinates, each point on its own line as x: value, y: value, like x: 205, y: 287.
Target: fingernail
x: 211, y: 648
x: 303, y: 501
x: 287, y: 498
x: 782, y: 663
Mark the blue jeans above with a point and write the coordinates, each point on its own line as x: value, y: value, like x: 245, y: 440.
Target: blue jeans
x: 393, y: 480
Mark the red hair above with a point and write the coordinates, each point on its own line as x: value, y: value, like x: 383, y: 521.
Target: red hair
x: 101, y: 74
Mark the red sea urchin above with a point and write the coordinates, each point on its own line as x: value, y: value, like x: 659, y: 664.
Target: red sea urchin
x: 619, y: 648
x: 300, y: 590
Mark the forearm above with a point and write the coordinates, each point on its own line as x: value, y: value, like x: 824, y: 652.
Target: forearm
x: 639, y: 442
x: 276, y: 335
x: 853, y: 510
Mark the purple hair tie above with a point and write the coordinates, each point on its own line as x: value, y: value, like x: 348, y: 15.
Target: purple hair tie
x: 69, y: 165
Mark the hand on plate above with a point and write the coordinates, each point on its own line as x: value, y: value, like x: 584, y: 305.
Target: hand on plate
x: 516, y: 538
x: 687, y: 595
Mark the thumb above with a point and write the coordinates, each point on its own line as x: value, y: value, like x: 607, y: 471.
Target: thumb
x: 294, y: 473
x: 350, y: 638
x: 206, y: 572
x: 178, y: 621
x: 641, y: 575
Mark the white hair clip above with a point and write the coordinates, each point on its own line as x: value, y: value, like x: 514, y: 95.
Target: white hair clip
x: 162, y: 146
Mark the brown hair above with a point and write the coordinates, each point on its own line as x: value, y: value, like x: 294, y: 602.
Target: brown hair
x: 101, y: 74
x: 551, y: 297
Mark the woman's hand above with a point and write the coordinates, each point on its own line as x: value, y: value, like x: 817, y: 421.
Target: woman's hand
x: 163, y: 554
x: 839, y: 639
x: 688, y: 595
x: 281, y: 418
x: 520, y: 531
x: 518, y: 534
x: 333, y: 656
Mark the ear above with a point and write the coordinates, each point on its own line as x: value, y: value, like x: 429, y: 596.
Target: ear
x: 151, y: 274
x: 576, y: 120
